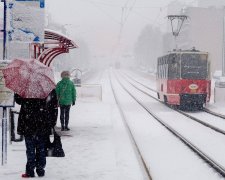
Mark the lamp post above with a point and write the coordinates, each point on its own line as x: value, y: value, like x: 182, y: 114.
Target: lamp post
x: 176, y: 25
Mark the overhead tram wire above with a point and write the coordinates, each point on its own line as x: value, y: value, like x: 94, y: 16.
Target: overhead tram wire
x: 125, y: 17
x: 125, y: 14
x: 130, y: 9
x: 192, y: 2
x: 146, y: 18
x: 103, y: 11
x: 122, y: 22
x: 119, y: 6
x: 106, y: 4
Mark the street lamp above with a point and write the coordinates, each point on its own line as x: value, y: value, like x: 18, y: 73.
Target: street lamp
x: 176, y: 24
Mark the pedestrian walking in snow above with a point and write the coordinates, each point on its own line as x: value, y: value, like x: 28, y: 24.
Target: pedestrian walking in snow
x: 32, y: 124
x: 66, y: 93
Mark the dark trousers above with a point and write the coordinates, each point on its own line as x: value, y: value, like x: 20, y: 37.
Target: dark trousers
x: 36, y: 156
x: 64, y: 115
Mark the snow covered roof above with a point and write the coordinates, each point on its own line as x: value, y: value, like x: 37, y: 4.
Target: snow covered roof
x: 55, y: 44
x: 54, y: 35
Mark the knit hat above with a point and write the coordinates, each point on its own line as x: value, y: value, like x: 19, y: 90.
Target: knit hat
x: 65, y: 74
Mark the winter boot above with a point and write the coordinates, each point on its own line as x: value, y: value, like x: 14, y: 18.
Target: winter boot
x: 62, y: 128
x: 67, y: 129
x: 40, y: 172
x: 25, y: 175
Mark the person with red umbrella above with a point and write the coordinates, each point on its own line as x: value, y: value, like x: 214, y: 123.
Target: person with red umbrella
x: 34, y: 127
x: 33, y: 84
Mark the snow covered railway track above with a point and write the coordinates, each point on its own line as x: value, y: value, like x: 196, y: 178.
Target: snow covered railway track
x: 210, y: 161
x: 214, y: 113
x: 216, y: 128
x: 147, y: 87
x: 153, y: 90
x: 202, y: 120
x: 142, y: 161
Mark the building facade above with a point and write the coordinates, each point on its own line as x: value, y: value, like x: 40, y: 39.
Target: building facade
x: 203, y: 30
x: 211, y: 3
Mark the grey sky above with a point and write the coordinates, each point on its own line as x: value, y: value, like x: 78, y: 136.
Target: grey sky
x: 98, y: 22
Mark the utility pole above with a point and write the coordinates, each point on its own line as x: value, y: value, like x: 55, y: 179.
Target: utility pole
x: 223, y: 48
x: 4, y: 30
x: 4, y: 114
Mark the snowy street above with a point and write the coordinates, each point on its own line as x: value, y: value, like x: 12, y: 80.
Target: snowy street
x: 139, y: 87
x: 98, y: 147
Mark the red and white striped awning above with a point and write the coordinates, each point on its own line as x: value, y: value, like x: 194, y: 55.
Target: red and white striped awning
x: 54, y: 45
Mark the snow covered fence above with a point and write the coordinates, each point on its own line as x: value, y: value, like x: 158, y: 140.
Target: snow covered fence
x: 93, y: 91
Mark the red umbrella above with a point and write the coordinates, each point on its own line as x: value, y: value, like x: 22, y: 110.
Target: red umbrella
x: 29, y: 79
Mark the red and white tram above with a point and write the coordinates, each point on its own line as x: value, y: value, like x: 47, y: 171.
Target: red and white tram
x: 183, y: 78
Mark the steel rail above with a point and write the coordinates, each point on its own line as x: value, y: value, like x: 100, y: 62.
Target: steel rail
x: 217, y: 167
x: 138, y: 152
x: 182, y: 112
x: 213, y: 113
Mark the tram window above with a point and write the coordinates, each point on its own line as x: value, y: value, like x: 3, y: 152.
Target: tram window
x: 159, y: 72
x: 159, y: 67
x: 164, y: 70
x: 173, y: 67
x: 194, y: 66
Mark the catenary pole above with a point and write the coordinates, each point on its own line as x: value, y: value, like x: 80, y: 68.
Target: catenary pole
x: 223, y: 48
x: 4, y: 113
x: 4, y: 30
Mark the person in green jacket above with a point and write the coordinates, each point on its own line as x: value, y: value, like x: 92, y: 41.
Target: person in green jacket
x: 66, y: 93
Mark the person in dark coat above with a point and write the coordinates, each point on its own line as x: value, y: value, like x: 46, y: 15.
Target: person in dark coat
x: 51, y: 114
x: 35, y: 124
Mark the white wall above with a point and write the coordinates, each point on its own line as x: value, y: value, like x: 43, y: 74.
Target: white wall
x: 211, y: 3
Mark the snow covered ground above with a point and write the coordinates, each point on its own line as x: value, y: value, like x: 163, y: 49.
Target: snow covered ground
x: 99, y: 147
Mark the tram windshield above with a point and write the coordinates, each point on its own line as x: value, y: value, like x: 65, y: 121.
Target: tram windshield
x: 194, y: 66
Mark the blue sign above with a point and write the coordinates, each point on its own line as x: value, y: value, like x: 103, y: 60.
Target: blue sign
x: 27, y: 0
x: 42, y: 2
